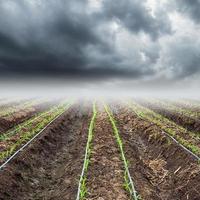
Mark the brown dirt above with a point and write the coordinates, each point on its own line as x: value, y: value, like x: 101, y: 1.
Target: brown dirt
x: 190, y: 123
x: 105, y: 175
x: 50, y: 167
x: 159, y: 167
x: 191, y: 138
x: 5, y: 105
x: 187, y: 106
x: 18, y: 117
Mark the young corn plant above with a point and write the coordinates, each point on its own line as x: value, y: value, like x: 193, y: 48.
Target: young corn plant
x: 128, y: 183
x: 169, y: 127
x: 31, y: 130
x: 32, y: 121
x: 82, y: 188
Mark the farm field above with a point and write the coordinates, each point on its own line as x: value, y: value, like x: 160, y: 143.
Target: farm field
x: 181, y: 114
x: 130, y: 149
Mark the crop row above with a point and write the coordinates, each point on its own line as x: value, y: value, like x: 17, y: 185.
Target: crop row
x: 12, y: 140
x: 183, y: 118
x: 11, y: 102
x: 169, y: 105
x: 126, y: 155
x: 187, y: 138
x: 82, y: 188
x: 20, y: 107
x: 128, y: 183
x: 186, y: 105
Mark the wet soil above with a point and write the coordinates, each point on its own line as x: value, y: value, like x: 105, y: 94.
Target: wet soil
x: 49, y: 168
x: 105, y: 176
x: 161, y: 170
x: 22, y: 115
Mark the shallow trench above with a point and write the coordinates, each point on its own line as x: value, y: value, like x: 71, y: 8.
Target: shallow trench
x: 50, y: 167
x: 160, y: 169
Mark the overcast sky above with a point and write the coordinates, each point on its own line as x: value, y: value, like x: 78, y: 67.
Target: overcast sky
x: 150, y: 43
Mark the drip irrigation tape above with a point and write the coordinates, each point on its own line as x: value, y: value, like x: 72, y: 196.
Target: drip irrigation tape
x: 21, y: 149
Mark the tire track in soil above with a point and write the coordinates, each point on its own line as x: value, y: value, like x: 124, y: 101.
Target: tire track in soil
x: 49, y: 168
x: 105, y: 174
x: 160, y: 170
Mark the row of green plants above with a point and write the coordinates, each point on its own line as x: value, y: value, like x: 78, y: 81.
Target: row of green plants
x: 168, y: 126
x: 25, y: 132
x: 189, y: 105
x: 28, y: 122
x: 25, y: 105
x: 82, y: 188
x: 193, y: 135
x: 10, y: 102
x: 169, y: 105
x: 128, y: 183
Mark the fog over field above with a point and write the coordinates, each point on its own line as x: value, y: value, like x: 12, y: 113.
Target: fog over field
x: 93, y: 47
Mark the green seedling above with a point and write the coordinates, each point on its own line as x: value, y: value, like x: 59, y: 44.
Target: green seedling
x: 82, y: 190
x: 169, y: 127
x: 128, y: 184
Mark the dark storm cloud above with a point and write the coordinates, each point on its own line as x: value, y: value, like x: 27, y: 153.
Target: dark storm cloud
x: 136, y: 17
x: 67, y: 38
x: 52, y: 39
x: 56, y: 37
x: 190, y: 8
x: 183, y: 57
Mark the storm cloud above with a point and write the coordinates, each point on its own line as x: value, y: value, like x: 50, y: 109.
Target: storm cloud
x: 190, y: 8
x: 134, y: 15
x: 98, y: 39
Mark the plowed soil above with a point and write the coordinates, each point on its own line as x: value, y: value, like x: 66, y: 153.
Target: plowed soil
x: 50, y: 167
x: 18, y: 117
x: 159, y: 167
x: 187, y: 106
x: 190, y: 123
x: 5, y: 105
x: 105, y: 175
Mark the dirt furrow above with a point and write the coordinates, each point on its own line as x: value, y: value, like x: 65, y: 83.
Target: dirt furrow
x: 160, y: 168
x: 50, y: 167
x: 8, y: 122
x: 188, y: 122
x: 105, y: 176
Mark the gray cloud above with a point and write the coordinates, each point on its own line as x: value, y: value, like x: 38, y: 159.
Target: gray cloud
x: 182, y: 57
x: 71, y: 40
x: 189, y: 7
x: 134, y: 15
x: 54, y: 36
